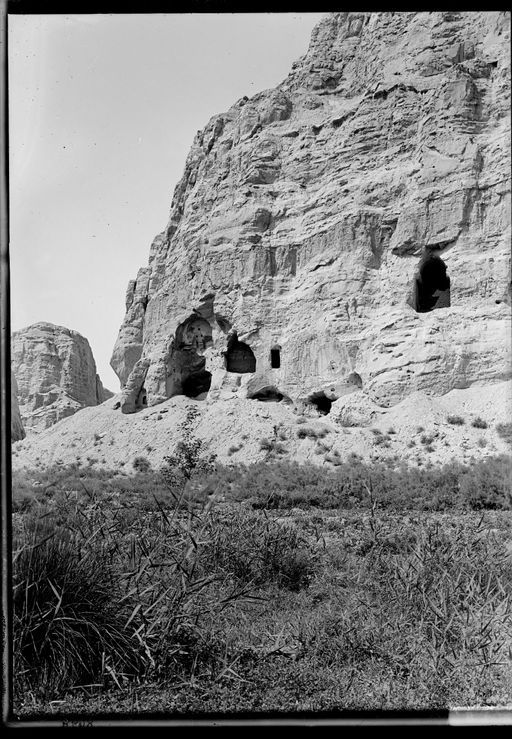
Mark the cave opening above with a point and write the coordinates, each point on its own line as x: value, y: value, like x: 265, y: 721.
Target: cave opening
x: 141, y: 400
x: 321, y: 402
x: 239, y: 357
x: 355, y: 379
x: 197, y: 384
x: 267, y: 394
x: 275, y: 357
x: 431, y: 288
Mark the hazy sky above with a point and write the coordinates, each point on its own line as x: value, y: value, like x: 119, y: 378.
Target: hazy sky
x: 102, y: 112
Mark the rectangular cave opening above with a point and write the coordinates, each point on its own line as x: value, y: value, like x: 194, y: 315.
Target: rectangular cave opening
x: 275, y: 358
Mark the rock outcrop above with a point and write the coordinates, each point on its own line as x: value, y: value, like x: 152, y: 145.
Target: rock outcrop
x: 17, y: 430
x: 56, y: 374
x: 298, y: 260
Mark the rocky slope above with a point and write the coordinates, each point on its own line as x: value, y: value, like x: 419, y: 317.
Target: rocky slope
x: 56, y: 374
x: 17, y: 430
x: 345, y: 233
x: 418, y: 430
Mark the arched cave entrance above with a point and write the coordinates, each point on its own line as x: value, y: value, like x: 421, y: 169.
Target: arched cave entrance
x: 355, y: 379
x: 186, y: 369
x: 197, y: 383
x: 431, y: 288
x: 275, y: 357
x: 321, y: 402
x: 239, y: 356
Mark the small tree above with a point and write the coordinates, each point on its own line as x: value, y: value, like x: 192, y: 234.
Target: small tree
x: 189, y: 458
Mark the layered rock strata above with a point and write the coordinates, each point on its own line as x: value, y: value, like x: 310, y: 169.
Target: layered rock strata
x: 56, y: 374
x: 297, y: 263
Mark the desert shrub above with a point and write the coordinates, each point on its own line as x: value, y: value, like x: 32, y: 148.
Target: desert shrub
x: 381, y: 440
x: 189, y: 458
x: 455, y: 420
x: 141, y: 464
x: 234, y: 448
x: 265, y: 444
x: 427, y: 439
x: 312, y: 433
x: 479, y: 423
x: 505, y: 431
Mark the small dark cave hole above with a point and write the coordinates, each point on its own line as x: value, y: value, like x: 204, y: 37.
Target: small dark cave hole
x: 431, y: 285
x: 197, y: 383
x: 268, y: 394
x: 275, y: 358
x: 142, y: 399
x: 321, y: 403
x: 239, y: 357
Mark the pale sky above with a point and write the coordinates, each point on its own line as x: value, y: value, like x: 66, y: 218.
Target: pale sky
x: 102, y: 113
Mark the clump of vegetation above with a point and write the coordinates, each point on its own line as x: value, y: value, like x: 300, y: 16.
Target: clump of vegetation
x: 381, y: 439
x: 312, y: 433
x: 505, y: 431
x: 427, y: 439
x: 273, y: 446
x: 479, y: 423
x: 68, y: 610
x: 189, y: 459
x: 141, y: 464
x: 455, y: 420
x: 234, y: 448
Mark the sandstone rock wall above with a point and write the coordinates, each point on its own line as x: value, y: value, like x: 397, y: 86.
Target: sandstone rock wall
x: 56, y: 374
x: 303, y: 214
x: 17, y: 430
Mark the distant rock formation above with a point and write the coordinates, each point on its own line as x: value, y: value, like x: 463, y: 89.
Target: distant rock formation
x: 17, y: 430
x: 297, y: 251
x: 56, y: 374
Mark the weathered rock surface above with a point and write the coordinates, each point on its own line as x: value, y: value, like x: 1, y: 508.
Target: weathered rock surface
x: 17, y: 430
x: 56, y: 374
x: 290, y: 265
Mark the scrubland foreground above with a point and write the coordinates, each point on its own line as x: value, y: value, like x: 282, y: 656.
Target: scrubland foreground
x: 275, y: 587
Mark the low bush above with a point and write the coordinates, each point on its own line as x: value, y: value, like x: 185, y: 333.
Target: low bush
x: 141, y: 464
x: 479, y: 423
x: 505, y: 431
x: 455, y: 420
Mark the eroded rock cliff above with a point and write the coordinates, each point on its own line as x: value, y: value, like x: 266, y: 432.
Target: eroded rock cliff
x: 17, y: 430
x: 56, y: 374
x: 301, y: 257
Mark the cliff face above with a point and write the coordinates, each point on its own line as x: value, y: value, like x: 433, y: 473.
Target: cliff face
x: 17, y: 430
x: 56, y: 374
x: 346, y: 231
